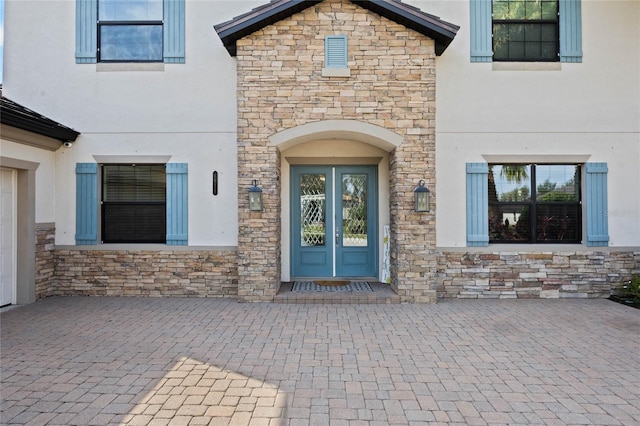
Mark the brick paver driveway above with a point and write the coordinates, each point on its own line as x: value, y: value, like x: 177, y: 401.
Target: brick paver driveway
x: 206, y: 361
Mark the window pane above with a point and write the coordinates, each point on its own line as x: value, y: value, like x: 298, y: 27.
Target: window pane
x: 134, y: 223
x: 556, y: 182
x: 511, y: 183
x: 133, y: 183
x: 517, y: 9
x: 500, y: 9
x: 533, y: 9
x: 313, y: 209
x: 510, y: 223
x: 354, y: 210
x: 550, y: 10
x: 131, y: 42
x: 558, y: 223
x: 130, y: 10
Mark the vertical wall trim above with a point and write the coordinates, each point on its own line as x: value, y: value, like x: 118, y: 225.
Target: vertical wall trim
x: 177, y: 204
x: 86, y: 203
x: 477, y: 204
x: 596, y: 204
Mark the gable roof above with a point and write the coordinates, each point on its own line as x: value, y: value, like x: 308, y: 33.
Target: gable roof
x: 411, y: 17
x: 15, y: 115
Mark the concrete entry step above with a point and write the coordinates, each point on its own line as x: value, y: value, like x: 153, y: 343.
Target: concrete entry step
x: 381, y: 294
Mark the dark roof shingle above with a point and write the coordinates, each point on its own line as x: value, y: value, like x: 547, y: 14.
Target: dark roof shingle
x: 15, y: 115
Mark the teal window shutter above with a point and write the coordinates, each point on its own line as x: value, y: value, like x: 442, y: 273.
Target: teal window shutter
x: 477, y: 204
x: 86, y: 203
x: 596, y: 204
x: 86, y: 31
x: 335, y: 51
x: 177, y: 204
x: 481, y: 29
x: 174, y: 21
x: 570, y: 31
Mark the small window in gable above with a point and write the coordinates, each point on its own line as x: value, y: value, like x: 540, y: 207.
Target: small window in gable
x: 335, y: 56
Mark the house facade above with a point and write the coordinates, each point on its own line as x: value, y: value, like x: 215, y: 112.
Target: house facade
x: 522, y: 119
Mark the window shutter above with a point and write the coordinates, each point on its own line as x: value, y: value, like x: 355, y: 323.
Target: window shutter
x: 481, y: 29
x: 596, y: 205
x: 335, y: 51
x: 177, y: 204
x: 86, y: 203
x: 174, y: 51
x: 570, y: 31
x: 86, y: 31
x: 477, y: 204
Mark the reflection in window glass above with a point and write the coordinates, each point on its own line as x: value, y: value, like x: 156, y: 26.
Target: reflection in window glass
x: 131, y: 43
x: 512, y: 183
x: 534, y: 203
x: 130, y: 10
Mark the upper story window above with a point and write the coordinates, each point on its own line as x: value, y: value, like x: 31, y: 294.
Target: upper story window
x: 130, y: 30
x: 525, y: 30
x: 534, y: 203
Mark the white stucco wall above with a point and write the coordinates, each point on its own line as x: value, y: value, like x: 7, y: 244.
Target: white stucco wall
x: 590, y: 109
x: 45, y: 176
x: 188, y: 111
x: 185, y: 111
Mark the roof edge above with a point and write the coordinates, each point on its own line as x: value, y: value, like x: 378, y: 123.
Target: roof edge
x: 231, y: 31
x: 15, y: 115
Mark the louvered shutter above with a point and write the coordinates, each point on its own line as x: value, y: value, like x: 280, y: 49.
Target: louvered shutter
x: 335, y: 51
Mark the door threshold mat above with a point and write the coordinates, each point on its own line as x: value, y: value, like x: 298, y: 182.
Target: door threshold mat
x: 314, y: 287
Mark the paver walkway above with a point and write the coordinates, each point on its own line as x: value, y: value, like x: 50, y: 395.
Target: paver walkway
x: 152, y: 361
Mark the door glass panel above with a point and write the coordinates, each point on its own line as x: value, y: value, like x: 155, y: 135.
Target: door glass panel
x: 354, y: 210
x: 312, y: 210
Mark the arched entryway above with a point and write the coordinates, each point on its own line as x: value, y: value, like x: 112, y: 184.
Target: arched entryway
x: 335, y: 198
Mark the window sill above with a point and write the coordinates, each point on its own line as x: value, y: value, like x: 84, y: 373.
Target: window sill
x: 336, y: 72
x: 129, y: 66
x: 526, y: 66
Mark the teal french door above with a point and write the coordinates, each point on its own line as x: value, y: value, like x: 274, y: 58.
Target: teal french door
x: 334, y: 221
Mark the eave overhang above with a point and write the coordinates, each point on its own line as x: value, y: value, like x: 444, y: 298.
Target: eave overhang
x: 440, y: 31
x: 15, y: 115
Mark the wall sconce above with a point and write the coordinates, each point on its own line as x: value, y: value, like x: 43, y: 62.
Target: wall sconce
x: 255, y: 197
x: 422, y: 198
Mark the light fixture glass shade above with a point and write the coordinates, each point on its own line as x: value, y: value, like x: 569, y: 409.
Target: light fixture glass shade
x: 422, y: 198
x: 255, y: 197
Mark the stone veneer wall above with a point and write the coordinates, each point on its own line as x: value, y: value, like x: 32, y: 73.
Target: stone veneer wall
x: 193, y: 273
x: 554, y: 274
x: 280, y: 86
x: 45, y: 263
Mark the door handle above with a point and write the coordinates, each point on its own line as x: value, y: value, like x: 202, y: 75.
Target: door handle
x: 337, y: 237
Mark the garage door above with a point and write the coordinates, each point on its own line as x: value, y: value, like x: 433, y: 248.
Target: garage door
x: 7, y: 237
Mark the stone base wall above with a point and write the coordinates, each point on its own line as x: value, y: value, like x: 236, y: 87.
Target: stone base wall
x: 45, y: 263
x: 589, y: 274
x: 178, y: 273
